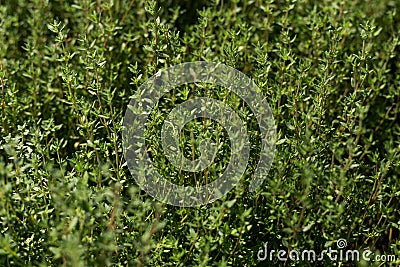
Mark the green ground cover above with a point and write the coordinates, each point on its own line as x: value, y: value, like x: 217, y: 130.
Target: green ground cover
x: 330, y: 71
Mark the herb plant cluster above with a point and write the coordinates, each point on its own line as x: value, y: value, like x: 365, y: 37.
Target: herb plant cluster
x: 330, y: 71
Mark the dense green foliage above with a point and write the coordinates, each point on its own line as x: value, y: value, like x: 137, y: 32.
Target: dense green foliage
x: 329, y: 69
